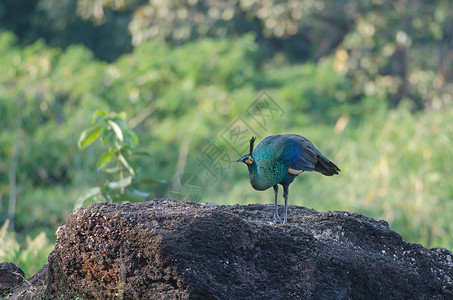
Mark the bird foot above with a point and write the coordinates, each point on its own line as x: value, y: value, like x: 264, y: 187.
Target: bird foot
x: 277, y: 220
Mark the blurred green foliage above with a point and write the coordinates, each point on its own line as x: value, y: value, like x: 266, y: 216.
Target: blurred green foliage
x: 118, y: 162
x: 391, y: 50
x: 30, y: 257
x: 369, y: 82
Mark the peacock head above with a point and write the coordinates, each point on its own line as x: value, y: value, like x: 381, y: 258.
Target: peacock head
x: 248, y: 159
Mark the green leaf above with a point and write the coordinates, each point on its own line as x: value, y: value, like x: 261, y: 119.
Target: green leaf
x: 88, y: 137
x: 148, y: 181
x: 130, y: 197
x: 140, y: 193
x: 117, y: 129
x: 87, y: 196
x: 131, y: 137
x: 141, y: 153
x: 112, y: 170
x: 133, y: 165
x: 98, y: 115
x: 115, y: 185
x: 126, y: 164
x: 105, y: 159
x: 108, y: 137
x: 122, y: 115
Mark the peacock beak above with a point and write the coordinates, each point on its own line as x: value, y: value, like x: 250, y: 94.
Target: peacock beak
x: 242, y: 159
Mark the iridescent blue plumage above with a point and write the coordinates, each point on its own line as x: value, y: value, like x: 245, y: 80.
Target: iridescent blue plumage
x: 278, y: 159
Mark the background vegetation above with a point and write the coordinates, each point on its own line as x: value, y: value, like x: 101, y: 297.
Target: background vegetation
x: 369, y: 82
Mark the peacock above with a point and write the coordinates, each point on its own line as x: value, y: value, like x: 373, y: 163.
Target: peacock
x: 278, y: 159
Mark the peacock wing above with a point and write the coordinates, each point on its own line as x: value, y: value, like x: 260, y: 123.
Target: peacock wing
x: 302, y: 154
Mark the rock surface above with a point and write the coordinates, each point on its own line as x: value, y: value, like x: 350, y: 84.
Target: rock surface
x: 33, y: 288
x: 166, y: 249
x: 11, y: 276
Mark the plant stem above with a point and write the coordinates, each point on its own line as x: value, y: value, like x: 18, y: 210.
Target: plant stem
x: 13, y: 167
x: 122, y: 177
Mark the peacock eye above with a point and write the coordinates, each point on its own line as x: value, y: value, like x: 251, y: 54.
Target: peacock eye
x: 249, y: 161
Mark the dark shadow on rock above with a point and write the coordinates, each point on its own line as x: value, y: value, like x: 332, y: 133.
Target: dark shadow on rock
x: 31, y: 289
x: 11, y: 276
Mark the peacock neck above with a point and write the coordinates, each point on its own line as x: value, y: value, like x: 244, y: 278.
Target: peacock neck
x: 257, y: 181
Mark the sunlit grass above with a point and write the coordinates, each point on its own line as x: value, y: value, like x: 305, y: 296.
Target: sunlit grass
x: 30, y: 256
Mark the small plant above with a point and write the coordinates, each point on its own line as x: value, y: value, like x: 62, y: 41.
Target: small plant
x: 117, y: 162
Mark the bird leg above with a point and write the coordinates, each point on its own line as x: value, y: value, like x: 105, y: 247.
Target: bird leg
x: 285, y: 196
x: 276, y: 217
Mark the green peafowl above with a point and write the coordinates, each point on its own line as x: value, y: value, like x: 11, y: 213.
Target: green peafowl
x: 278, y: 159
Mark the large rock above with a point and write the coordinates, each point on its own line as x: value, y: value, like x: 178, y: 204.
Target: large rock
x: 11, y: 276
x: 165, y: 249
